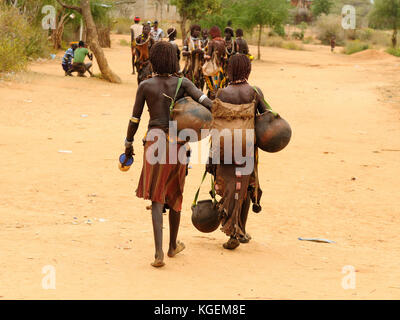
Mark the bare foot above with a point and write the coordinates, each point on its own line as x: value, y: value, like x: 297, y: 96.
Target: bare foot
x: 180, y: 246
x: 158, y: 263
x: 231, y: 244
x: 245, y: 239
x: 158, y: 260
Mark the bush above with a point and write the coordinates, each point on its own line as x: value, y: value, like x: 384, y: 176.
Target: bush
x: 298, y: 35
x: 19, y: 41
x: 274, y: 42
x: 381, y: 38
x: 308, y: 40
x: 292, y: 46
x: 364, y: 34
x: 124, y: 43
x: 394, y: 51
x: 279, y: 30
x: 328, y: 26
x: 355, y: 46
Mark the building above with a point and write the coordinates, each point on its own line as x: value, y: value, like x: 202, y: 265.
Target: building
x: 154, y: 10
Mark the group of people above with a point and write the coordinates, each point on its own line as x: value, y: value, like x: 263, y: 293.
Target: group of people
x: 163, y: 183
x: 200, y: 46
x: 74, y: 60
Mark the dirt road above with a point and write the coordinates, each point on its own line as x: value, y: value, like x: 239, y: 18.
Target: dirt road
x: 339, y: 179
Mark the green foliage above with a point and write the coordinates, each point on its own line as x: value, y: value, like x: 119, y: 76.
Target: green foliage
x: 194, y: 10
x: 101, y: 14
x: 394, y: 51
x: 303, y: 26
x: 298, y: 35
x: 319, y: 7
x: 328, y: 26
x: 278, y: 42
x: 19, y: 41
x: 220, y: 20
x: 355, y: 46
x: 252, y: 13
x: 386, y: 13
x: 279, y: 30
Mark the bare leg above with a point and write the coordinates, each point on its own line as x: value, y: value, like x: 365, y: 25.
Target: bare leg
x: 133, y: 63
x: 243, y: 219
x: 174, y: 246
x: 157, y: 217
x: 88, y: 66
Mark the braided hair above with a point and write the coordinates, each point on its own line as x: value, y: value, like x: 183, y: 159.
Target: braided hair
x: 163, y: 58
x: 239, y: 67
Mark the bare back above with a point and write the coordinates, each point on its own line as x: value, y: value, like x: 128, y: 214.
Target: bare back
x: 242, y: 94
x: 154, y: 92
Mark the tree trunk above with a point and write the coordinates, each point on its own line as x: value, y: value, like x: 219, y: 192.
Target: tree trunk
x: 259, y: 43
x: 394, y: 37
x: 93, y: 40
x: 59, y: 31
x: 183, y: 27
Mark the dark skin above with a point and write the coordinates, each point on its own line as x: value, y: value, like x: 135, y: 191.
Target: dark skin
x: 145, y: 33
x: 241, y: 45
x: 141, y: 39
x: 171, y: 39
x: 241, y: 94
x: 230, y: 47
x: 133, y: 50
x: 151, y: 92
x: 204, y: 42
x: 217, y: 46
x: 195, y: 34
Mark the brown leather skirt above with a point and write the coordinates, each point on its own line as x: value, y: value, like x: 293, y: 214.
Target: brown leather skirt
x: 162, y: 182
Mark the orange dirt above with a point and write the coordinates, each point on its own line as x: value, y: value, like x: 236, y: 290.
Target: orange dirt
x: 338, y: 179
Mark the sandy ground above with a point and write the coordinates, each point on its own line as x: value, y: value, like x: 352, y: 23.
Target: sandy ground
x: 338, y: 179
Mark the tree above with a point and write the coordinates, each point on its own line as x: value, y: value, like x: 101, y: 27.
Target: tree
x: 194, y: 10
x: 261, y: 14
x: 321, y: 6
x: 93, y: 38
x: 386, y: 13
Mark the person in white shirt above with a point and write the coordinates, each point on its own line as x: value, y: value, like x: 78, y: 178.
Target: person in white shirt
x: 156, y: 32
x: 136, y: 30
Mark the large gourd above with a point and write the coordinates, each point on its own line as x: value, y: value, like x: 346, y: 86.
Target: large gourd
x: 190, y: 114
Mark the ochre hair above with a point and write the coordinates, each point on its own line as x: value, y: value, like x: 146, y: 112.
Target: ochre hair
x: 239, y: 67
x: 215, y: 32
x: 163, y: 58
